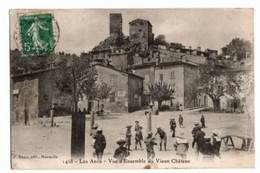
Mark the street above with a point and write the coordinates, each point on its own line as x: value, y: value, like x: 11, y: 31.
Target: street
x: 41, y: 140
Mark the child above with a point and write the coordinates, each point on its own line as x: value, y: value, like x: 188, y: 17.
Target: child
x: 128, y: 136
x: 150, y: 142
x: 121, y: 152
x: 138, y: 137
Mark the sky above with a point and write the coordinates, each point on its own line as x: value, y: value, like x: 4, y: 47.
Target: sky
x: 81, y: 30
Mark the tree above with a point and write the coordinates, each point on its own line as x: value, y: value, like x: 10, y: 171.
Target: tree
x: 238, y: 49
x: 25, y: 64
x: 161, y: 40
x: 101, y: 92
x: 212, y: 83
x: 76, y: 78
x: 217, y: 80
x: 160, y: 92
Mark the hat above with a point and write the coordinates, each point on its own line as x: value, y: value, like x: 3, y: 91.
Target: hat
x: 172, y: 119
x: 129, y: 126
x: 99, y: 129
x: 196, y: 124
x: 215, y: 132
x: 150, y: 133
x: 159, y: 128
x: 95, y: 126
x: 137, y: 121
x: 121, y: 142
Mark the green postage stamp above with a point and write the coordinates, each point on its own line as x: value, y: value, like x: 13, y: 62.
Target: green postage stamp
x: 36, y: 34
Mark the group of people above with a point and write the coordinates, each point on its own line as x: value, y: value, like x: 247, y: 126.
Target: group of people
x: 209, y: 147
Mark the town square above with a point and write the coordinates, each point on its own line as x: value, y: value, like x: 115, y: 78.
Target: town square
x: 128, y: 89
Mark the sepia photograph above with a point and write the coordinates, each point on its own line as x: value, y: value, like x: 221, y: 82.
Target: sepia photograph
x: 169, y: 88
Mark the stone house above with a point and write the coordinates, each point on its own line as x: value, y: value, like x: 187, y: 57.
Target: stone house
x: 126, y: 91
x: 180, y: 75
x: 33, y: 95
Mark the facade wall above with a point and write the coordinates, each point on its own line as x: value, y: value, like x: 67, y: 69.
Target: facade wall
x: 126, y: 94
x: 203, y: 100
x: 25, y: 97
x: 101, y: 54
x: 148, y: 74
x: 171, y: 56
x: 190, y: 92
x: 47, y: 93
x: 174, y: 76
x: 122, y: 60
x: 118, y: 100
x: 135, y: 93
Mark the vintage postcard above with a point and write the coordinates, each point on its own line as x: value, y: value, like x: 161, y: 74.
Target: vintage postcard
x: 132, y: 88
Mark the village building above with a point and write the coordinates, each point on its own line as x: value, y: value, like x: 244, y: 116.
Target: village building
x: 180, y: 75
x: 126, y: 93
x: 33, y: 95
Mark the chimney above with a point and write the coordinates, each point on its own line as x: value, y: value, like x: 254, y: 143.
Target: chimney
x: 199, y: 48
x: 190, y: 47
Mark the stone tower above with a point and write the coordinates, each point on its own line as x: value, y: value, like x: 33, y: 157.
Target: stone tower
x: 141, y: 31
x: 115, y: 24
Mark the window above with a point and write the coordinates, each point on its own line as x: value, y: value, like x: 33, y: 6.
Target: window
x: 161, y: 77
x: 112, y: 97
x: 172, y: 75
x: 112, y: 79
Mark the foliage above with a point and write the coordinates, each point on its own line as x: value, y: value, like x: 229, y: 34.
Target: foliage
x: 75, y: 77
x: 217, y: 82
x: 212, y: 82
x: 160, y: 92
x: 100, y: 92
x: 238, y: 49
x: 23, y: 64
x: 161, y: 40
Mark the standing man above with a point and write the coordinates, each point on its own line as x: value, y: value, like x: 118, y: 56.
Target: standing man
x: 138, y: 137
x: 172, y: 126
x: 128, y: 136
x: 216, y: 142
x: 121, y: 152
x: 100, y: 144
x: 193, y: 132
x: 180, y: 121
x: 163, y: 137
x: 202, y: 120
x: 199, y: 137
x: 137, y: 126
x: 150, y: 142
